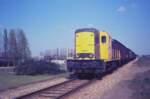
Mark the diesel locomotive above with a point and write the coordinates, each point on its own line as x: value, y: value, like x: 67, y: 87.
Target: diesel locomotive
x: 96, y: 52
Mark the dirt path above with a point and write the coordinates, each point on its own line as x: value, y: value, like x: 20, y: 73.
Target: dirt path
x: 112, y: 86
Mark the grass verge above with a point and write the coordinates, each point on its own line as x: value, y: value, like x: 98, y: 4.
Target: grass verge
x: 140, y: 84
x: 12, y: 80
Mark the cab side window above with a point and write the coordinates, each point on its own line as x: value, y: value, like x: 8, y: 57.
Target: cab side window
x: 103, y: 39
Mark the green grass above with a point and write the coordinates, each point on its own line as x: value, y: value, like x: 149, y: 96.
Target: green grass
x: 11, y: 80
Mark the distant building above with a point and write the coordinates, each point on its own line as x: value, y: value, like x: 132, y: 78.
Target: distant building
x: 70, y: 53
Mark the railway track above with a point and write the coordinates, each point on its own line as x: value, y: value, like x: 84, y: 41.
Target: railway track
x: 58, y: 91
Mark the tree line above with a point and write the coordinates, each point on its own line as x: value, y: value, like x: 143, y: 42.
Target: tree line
x: 14, y: 46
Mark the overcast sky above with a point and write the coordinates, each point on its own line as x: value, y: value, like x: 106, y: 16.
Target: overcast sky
x: 51, y: 23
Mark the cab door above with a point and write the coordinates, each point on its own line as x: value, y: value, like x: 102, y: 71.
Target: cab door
x: 104, y: 45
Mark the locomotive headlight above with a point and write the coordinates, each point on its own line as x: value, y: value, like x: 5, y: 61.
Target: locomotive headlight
x: 91, y: 55
x: 77, y: 55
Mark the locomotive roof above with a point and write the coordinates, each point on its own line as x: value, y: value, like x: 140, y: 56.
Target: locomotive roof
x: 87, y: 30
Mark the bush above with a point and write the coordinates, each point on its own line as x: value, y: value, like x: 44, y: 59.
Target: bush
x: 37, y: 67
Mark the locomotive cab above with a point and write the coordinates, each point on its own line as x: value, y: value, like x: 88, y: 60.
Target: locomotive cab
x: 105, y: 46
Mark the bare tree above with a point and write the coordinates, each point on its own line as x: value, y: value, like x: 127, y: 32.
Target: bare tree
x: 13, y: 49
x: 5, y: 40
x: 23, y: 46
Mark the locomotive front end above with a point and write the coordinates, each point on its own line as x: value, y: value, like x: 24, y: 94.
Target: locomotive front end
x: 84, y: 46
x: 86, y: 58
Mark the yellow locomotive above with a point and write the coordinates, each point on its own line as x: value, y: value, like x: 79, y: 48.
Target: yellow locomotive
x: 96, y: 52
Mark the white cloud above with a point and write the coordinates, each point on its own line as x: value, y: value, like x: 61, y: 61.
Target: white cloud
x: 121, y: 9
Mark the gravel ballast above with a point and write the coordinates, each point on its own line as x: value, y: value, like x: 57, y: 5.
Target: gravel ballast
x: 29, y: 88
x: 104, y: 88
